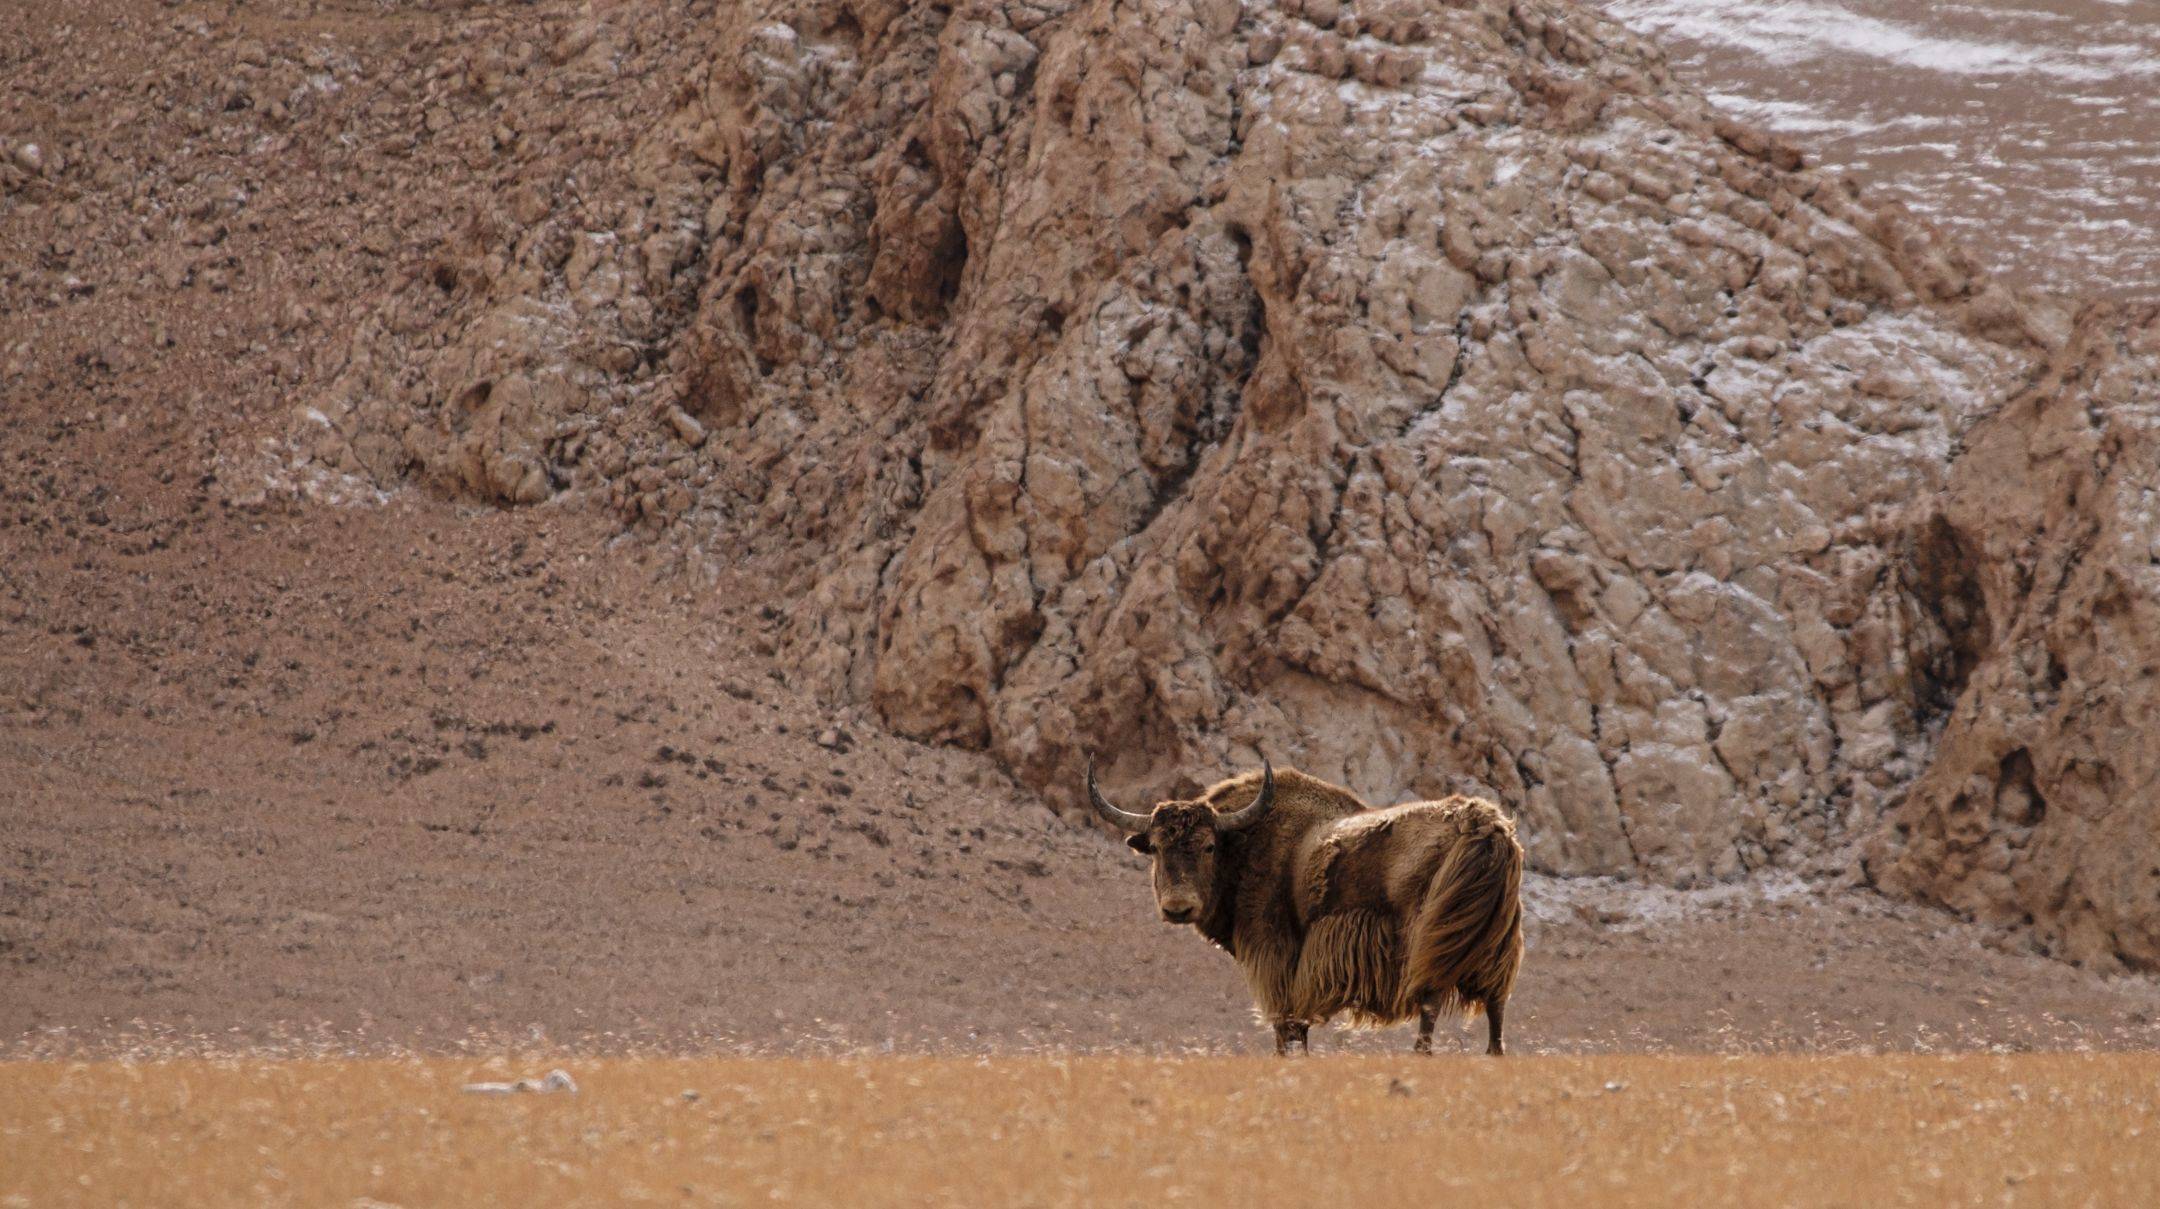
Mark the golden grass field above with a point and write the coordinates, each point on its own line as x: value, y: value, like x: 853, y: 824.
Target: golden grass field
x: 1362, y: 1131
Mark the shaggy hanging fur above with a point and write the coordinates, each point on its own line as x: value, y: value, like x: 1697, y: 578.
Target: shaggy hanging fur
x: 1467, y: 938
x: 1350, y: 963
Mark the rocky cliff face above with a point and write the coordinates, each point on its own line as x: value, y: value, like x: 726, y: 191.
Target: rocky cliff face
x: 2036, y: 808
x: 1433, y: 395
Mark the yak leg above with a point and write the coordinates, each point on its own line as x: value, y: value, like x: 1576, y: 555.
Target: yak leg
x: 1494, y: 1010
x: 1425, y: 1017
x: 1291, y: 1031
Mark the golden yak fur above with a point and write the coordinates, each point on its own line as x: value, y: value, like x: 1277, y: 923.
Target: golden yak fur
x: 1331, y: 907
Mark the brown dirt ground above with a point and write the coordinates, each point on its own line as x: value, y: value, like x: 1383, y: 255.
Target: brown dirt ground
x: 2042, y: 1129
x: 414, y: 775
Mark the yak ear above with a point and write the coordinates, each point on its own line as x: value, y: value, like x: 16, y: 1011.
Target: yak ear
x: 1139, y: 842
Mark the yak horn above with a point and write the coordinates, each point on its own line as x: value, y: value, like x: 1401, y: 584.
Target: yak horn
x: 1123, y: 820
x: 1256, y: 809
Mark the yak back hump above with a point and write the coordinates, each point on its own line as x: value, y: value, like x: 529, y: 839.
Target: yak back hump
x: 1271, y: 852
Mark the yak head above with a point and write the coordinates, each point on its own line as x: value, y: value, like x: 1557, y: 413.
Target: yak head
x: 1183, y: 837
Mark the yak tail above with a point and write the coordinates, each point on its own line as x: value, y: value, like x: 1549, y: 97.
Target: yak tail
x: 1467, y: 941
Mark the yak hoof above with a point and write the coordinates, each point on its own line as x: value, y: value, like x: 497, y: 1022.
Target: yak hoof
x: 1292, y: 1032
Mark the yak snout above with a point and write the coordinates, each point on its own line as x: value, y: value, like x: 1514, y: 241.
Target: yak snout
x: 1179, y: 909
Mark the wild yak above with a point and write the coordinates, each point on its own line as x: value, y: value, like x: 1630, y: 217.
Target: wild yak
x: 1329, y: 906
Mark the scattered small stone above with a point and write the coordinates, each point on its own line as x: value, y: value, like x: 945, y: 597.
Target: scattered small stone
x: 554, y: 1080
x: 686, y: 427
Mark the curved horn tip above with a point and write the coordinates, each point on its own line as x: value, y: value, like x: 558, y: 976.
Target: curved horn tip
x: 1117, y: 816
x: 1257, y: 809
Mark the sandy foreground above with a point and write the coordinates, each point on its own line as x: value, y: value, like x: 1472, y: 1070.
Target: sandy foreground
x: 2029, y: 1128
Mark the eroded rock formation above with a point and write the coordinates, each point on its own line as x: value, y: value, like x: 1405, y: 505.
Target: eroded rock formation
x: 2037, y: 806
x: 1432, y: 394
